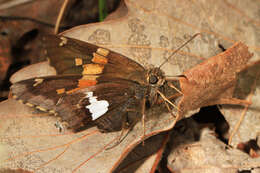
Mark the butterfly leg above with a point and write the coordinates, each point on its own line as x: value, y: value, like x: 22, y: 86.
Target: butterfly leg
x: 143, y: 118
x: 176, y: 95
x: 168, y: 107
x: 172, y: 86
x: 167, y: 100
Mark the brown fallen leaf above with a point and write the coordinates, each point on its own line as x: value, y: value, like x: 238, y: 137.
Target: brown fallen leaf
x: 142, y: 156
x: 22, y: 24
x: 208, y: 154
x: 235, y: 51
x: 213, y: 81
x: 149, y: 33
x: 77, y: 12
x: 212, y: 155
x: 244, y: 120
x: 34, y: 10
x: 156, y: 148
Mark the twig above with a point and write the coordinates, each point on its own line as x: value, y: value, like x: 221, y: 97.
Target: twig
x: 63, y: 7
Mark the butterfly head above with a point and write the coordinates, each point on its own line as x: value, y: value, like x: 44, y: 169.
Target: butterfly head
x: 155, y: 77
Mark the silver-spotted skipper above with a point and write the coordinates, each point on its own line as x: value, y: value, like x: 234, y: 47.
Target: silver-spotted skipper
x: 93, y: 86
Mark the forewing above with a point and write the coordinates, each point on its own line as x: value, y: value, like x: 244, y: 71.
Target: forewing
x: 71, y: 56
x: 104, y: 104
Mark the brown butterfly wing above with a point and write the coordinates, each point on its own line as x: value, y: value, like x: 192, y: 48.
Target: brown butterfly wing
x: 57, y: 95
x: 71, y: 56
x: 94, y: 86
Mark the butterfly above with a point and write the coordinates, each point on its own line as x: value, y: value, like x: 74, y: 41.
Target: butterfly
x: 94, y: 86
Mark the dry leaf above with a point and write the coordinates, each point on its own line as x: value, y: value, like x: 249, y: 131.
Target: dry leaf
x: 208, y: 155
x: 213, y: 81
x: 39, y: 10
x: 243, y: 121
x: 148, y: 33
x: 144, y: 155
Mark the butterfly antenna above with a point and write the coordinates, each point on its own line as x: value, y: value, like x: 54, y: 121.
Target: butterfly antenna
x: 195, y: 35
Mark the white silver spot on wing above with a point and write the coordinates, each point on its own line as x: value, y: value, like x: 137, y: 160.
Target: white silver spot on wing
x: 38, y: 81
x: 63, y: 41
x: 97, y: 108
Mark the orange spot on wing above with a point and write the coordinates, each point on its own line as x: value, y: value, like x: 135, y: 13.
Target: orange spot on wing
x: 92, y: 69
x: 60, y: 91
x: 86, y: 83
x: 99, y: 59
x: 73, y: 90
x: 102, y: 51
x: 78, y: 61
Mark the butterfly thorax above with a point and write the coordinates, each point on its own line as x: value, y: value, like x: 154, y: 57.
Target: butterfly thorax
x: 155, y: 79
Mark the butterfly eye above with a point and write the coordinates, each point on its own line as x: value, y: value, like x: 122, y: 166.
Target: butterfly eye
x: 4, y: 32
x: 153, y: 79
